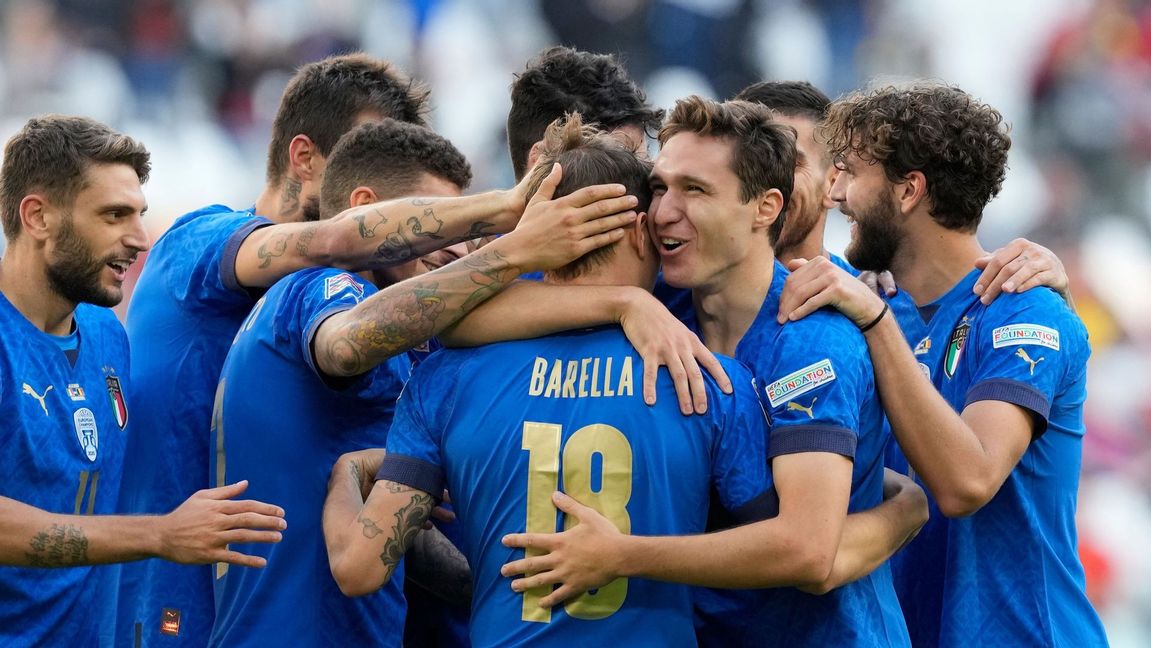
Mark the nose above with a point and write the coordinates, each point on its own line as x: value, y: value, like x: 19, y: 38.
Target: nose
x: 665, y: 208
x: 136, y: 237
x: 838, y: 191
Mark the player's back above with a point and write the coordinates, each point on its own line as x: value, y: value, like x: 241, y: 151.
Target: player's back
x: 522, y: 419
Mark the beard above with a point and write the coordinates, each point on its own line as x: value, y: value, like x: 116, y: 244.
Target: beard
x: 801, y: 218
x: 74, y: 272
x: 877, y: 237
x: 311, y: 209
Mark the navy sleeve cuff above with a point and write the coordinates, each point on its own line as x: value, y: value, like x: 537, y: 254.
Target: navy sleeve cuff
x: 811, y: 438
x: 232, y: 248
x: 764, y: 507
x: 1016, y: 393
x: 413, y: 472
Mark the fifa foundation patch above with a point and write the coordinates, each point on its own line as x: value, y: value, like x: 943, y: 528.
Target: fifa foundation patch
x: 333, y: 286
x: 1025, y: 334
x: 800, y: 382
x: 170, y: 621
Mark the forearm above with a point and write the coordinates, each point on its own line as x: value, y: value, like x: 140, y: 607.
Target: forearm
x: 437, y: 566
x: 387, y: 233
x: 406, y: 314
x: 532, y: 309
x: 33, y: 537
x: 344, y: 530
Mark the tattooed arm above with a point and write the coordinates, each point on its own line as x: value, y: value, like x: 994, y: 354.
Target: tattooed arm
x: 366, y: 540
x: 406, y: 314
x: 197, y: 532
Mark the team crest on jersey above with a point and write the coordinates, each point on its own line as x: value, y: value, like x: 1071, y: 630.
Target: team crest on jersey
x: 955, y: 347
x: 1025, y: 334
x: 119, y: 408
x: 924, y: 346
x: 800, y: 382
x: 76, y: 392
x: 86, y: 433
x: 333, y: 286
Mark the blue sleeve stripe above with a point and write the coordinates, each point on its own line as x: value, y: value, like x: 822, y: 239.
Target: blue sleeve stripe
x: 1016, y: 393
x: 232, y: 248
x: 763, y: 507
x: 811, y: 438
x: 413, y: 472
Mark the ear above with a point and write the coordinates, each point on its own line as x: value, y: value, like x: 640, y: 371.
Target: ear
x: 362, y: 196
x: 911, y: 192
x: 534, y: 154
x: 638, y: 235
x: 303, y: 158
x: 36, y: 214
x: 770, y: 205
x: 828, y: 181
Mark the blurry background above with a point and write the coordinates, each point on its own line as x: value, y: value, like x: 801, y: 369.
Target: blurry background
x: 198, y: 81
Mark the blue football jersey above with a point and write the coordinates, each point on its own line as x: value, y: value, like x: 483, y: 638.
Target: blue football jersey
x: 818, y: 383
x: 1008, y: 575
x: 280, y: 425
x: 507, y: 424
x: 65, y: 426
x: 184, y: 311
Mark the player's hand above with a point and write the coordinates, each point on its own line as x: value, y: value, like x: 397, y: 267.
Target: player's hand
x: 442, y: 513
x: 662, y: 340
x: 200, y: 530
x: 362, y: 465
x: 880, y: 283
x: 907, y: 501
x: 578, y: 559
x: 1017, y: 267
x: 819, y: 282
x: 553, y: 233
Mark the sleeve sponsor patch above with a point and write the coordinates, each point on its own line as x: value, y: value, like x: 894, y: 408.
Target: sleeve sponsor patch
x: 333, y: 286
x: 1016, y: 334
x: 800, y: 382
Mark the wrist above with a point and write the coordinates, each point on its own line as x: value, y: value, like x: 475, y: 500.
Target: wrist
x: 625, y: 301
x: 511, y: 206
x: 870, y: 323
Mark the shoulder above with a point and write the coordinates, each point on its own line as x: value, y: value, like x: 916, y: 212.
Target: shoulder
x: 1038, y: 316
x: 824, y: 332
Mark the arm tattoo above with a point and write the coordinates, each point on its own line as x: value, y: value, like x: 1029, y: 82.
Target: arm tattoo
x: 371, y: 529
x: 369, y: 222
x: 306, y: 238
x: 272, y: 248
x: 417, y: 224
x: 290, y: 200
x: 409, y: 520
x: 438, y: 567
x: 59, y: 546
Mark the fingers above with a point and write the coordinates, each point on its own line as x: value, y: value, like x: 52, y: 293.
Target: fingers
x: 607, y: 223
x: 237, y: 558
x: 234, y: 507
x: 871, y: 280
x: 681, y: 383
x: 1044, y: 278
x: 541, y: 541
x: 570, y: 506
x: 886, y: 282
x: 695, y: 382
x: 559, y: 596
x: 248, y: 536
x: 590, y: 196
x: 224, y: 492
x: 443, y: 515
x: 650, y: 371
x: 255, y: 521
x: 599, y: 240
x: 547, y: 188
x: 795, y: 264
x: 523, y: 566
x: 713, y: 366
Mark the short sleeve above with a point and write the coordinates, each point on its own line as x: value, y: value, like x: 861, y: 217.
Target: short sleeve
x: 414, y: 457
x: 739, y: 454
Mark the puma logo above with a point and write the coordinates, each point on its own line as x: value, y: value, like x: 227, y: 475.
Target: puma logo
x: 39, y: 397
x: 792, y: 405
x: 1026, y: 358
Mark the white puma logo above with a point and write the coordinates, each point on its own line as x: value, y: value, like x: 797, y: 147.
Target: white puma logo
x: 39, y: 397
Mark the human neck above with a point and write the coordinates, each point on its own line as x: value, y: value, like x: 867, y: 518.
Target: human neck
x: 24, y: 282
x: 809, y: 248
x: 726, y: 308
x: 281, y: 202
x: 931, y: 260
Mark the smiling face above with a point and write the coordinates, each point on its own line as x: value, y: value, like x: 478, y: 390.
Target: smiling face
x: 703, y: 229
x: 99, y: 235
x: 865, y: 196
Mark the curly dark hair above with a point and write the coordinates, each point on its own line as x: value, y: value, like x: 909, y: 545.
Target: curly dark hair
x: 763, y: 150
x: 958, y: 143
x: 390, y: 157
x: 562, y: 80
x: 52, y: 154
x: 589, y: 156
x: 325, y: 98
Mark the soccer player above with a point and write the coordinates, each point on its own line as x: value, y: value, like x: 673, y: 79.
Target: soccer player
x: 315, y: 371
x: 564, y: 407
x: 206, y: 272
x: 721, y: 180
x: 995, y: 434
x: 72, y: 205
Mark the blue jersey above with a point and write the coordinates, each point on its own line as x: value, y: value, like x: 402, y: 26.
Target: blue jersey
x: 280, y: 425
x: 65, y: 425
x: 1008, y: 575
x: 818, y: 383
x: 184, y: 312
x: 507, y: 424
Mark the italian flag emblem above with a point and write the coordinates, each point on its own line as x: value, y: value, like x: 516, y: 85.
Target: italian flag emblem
x: 955, y: 347
x: 117, y: 397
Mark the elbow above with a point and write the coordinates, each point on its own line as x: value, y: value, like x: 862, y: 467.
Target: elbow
x: 353, y: 580
x: 963, y: 500
x: 811, y: 568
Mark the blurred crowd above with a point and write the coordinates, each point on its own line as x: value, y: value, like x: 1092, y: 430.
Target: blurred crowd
x: 198, y: 82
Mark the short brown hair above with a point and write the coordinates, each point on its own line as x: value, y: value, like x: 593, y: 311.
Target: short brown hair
x: 762, y: 150
x: 52, y: 154
x: 589, y: 156
x: 324, y: 99
x: 958, y: 143
x: 389, y: 156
